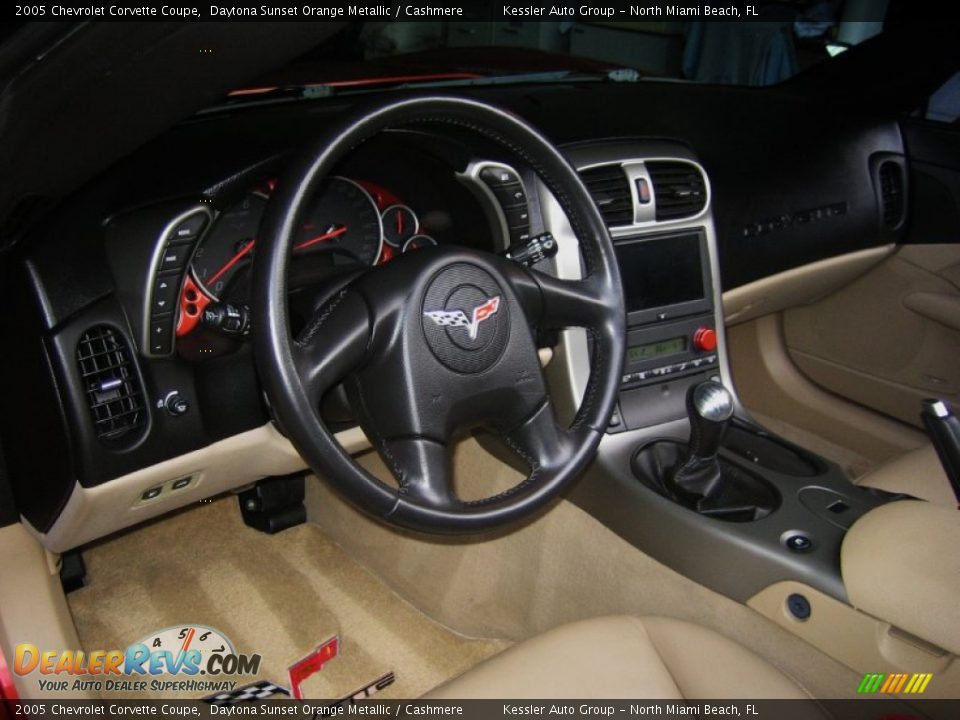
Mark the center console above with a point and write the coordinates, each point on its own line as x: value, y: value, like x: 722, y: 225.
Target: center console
x: 671, y: 335
x: 683, y: 472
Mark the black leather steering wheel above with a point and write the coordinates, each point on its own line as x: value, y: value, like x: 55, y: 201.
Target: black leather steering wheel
x: 453, y: 327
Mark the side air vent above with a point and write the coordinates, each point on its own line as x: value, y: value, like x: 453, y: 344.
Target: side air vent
x: 678, y: 188
x: 891, y: 194
x: 113, y: 387
x: 611, y: 192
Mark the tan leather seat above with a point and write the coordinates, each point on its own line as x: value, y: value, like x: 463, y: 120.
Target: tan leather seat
x: 918, y: 473
x: 621, y: 657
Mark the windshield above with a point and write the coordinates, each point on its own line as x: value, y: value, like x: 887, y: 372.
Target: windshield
x: 782, y: 41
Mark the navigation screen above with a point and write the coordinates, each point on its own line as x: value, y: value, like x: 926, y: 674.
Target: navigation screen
x: 660, y: 272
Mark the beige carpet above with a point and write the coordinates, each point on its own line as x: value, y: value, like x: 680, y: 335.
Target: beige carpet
x: 560, y: 567
x: 279, y: 596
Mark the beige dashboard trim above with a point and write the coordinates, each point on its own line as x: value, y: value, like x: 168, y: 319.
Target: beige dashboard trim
x: 92, y: 513
x: 799, y: 286
x: 226, y: 465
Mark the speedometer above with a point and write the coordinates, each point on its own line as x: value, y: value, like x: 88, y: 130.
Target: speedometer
x: 342, y: 220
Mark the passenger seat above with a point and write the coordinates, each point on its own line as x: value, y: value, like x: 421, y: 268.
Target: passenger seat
x: 918, y: 473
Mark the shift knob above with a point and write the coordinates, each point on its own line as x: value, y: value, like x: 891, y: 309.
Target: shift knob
x: 698, y: 477
x: 709, y: 407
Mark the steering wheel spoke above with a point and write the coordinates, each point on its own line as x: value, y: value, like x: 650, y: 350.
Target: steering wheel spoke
x: 541, y: 441
x: 570, y: 303
x: 423, y: 468
x: 332, y: 344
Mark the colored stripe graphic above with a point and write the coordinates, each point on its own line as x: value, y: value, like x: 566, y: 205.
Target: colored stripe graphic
x: 870, y: 683
x: 908, y: 683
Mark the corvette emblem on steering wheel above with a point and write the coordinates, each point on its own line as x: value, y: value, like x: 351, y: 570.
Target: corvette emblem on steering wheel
x: 458, y: 318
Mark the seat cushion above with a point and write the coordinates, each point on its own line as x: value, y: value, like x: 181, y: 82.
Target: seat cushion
x: 621, y: 657
x: 918, y: 473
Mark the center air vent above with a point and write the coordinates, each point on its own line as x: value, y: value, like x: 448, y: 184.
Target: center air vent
x: 891, y: 194
x: 611, y: 192
x: 679, y: 189
x: 112, y: 385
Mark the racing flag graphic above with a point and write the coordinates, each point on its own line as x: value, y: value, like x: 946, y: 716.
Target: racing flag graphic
x: 892, y: 683
x: 260, y: 690
x: 458, y: 318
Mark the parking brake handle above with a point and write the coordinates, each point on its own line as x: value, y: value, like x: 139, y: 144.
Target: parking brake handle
x: 944, y: 430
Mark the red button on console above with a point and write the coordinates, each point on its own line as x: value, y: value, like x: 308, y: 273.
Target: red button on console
x: 705, y: 339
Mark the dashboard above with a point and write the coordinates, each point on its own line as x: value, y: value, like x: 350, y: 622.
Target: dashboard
x: 143, y: 393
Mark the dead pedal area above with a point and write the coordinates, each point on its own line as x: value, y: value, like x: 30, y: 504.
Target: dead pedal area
x: 201, y: 584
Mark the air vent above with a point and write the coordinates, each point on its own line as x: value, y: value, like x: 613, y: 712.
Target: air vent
x: 611, y: 192
x: 891, y: 194
x: 679, y: 189
x: 112, y: 385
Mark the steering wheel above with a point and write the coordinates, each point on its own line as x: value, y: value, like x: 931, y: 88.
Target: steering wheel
x: 454, y: 327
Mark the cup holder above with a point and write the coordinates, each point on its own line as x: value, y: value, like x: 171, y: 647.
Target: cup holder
x: 769, y: 452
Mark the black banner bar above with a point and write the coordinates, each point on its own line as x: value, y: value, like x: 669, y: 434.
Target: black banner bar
x: 423, y: 10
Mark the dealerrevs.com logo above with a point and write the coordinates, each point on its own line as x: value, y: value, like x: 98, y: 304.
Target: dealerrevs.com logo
x: 184, y: 650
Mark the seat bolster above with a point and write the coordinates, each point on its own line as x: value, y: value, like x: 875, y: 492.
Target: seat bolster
x: 608, y: 657
x: 918, y: 473
x: 623, y: 657
x: 706, y: 665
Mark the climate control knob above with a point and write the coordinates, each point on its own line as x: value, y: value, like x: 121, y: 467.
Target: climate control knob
x: 705, y: 339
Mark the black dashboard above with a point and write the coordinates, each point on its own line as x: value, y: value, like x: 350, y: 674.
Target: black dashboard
x: 123, y: 274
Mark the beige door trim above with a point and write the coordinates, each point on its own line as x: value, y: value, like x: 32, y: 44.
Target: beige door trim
x: 799, y: 286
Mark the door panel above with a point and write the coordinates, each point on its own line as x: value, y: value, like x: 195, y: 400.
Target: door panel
x: 892, y: 337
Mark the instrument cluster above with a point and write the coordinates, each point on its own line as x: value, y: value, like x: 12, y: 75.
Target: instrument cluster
x: 350, y: 223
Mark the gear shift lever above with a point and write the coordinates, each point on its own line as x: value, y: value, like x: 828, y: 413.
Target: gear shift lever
x: 709, y: 408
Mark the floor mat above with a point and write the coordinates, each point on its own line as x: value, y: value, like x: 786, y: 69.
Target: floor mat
x: 276, y: 595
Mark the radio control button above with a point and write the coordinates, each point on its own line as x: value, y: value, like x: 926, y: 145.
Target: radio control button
x: 705, y: 339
